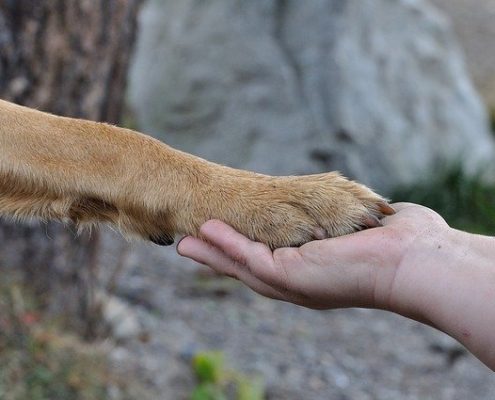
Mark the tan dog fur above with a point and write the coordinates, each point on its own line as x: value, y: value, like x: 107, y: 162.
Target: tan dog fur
x: 86, y: 172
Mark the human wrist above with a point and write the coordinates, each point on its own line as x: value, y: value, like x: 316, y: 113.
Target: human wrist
x: 447, y: 280
x: 421, y: 272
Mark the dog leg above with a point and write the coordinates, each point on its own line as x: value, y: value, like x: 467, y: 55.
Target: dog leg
x: 86, y: 172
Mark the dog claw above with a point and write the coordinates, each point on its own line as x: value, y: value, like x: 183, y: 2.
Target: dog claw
x: 162, y: 239
x: 371, y: 222
x: 385, y: 208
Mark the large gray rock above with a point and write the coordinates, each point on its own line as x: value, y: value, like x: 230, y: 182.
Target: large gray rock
x: 473, y: 23
x: 374, y: 88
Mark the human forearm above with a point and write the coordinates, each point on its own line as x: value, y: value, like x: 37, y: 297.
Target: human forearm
x: 458, y: 295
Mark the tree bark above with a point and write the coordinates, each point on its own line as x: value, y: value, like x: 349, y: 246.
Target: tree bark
x: 68, y: 57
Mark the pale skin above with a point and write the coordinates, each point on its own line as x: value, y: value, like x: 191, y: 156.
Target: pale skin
x: 414, y: 265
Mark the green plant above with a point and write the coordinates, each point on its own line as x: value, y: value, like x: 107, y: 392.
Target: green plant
x: 209, y: 366
x: 215, y: 381
x: 250, y: 389
x: 466, y: 202
x: 207, y: 391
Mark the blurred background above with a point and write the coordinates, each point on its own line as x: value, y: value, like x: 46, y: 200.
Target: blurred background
x: 398, y: 94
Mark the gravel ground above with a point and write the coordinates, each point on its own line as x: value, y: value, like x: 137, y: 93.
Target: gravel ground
x: 301, y: 354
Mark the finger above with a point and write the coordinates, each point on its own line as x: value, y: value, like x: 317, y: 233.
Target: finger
x: 399, y: 208
x: 210, y: 255
x: 233, y: 243
x: 257, y: 258
x: 199, y: 251
x: 402, y: 205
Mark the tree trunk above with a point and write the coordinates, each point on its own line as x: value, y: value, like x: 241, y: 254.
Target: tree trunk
x: 68, y: 57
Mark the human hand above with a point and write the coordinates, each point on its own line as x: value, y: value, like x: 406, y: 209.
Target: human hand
x: 414, y: 265
x: 357, y: 270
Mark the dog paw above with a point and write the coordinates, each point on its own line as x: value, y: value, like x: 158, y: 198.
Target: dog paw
x: 290, y: 211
